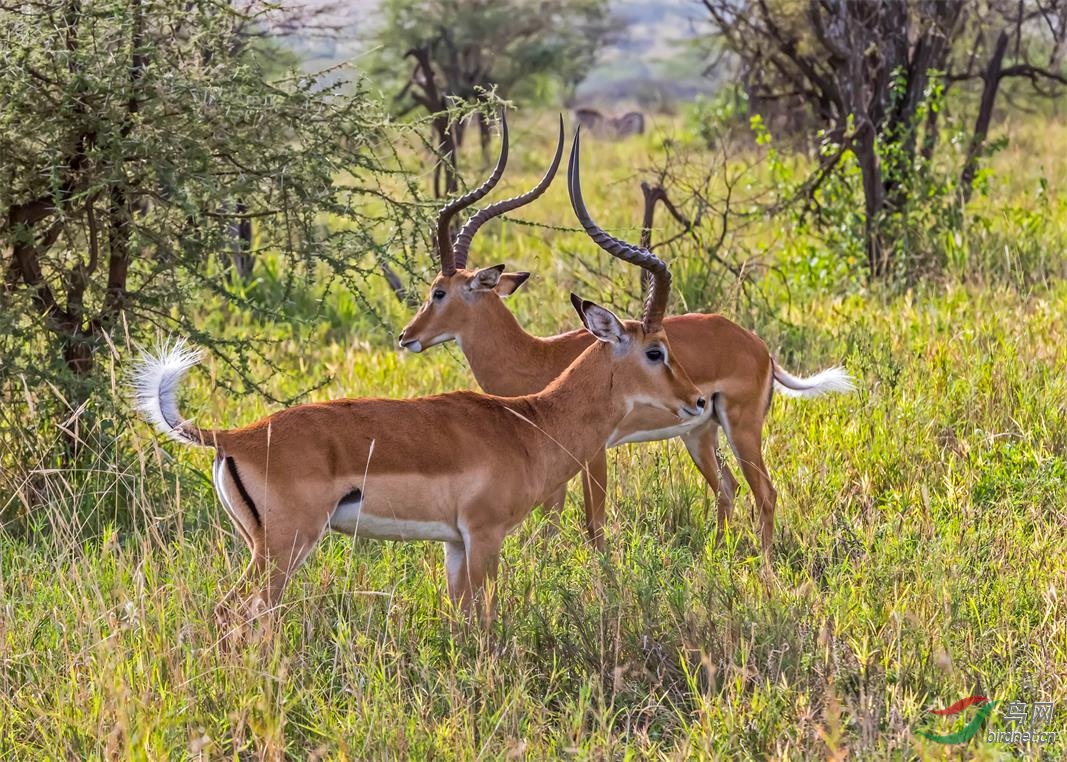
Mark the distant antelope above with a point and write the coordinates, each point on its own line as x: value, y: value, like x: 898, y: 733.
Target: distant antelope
x: 630, y: 123
x: 462, y: 468
x: 731, y: 365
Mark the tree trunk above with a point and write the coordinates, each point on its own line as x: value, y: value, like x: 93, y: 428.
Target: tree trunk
x: 874, y: 199
x: 434, y: 102
x: 985, y: 115
x: 240, y: 230
x: 78, y: 356
x: 484, y: 136
x: 652, y: 194
x: 931, y: 133
x: 78, y: 353
x: 446, y: 167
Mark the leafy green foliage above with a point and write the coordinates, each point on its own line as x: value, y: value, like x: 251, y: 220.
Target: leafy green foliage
x: 135, y: 136
x: 712, y: 118
x: 867, y: 83
x: 930, y: 233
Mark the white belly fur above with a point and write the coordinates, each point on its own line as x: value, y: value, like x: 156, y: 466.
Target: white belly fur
x: 654, y: 435
x: 350, y: 518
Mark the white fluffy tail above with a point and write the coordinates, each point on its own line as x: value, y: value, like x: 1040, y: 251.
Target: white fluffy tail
x: 824, y: 382
x: 155, y: 382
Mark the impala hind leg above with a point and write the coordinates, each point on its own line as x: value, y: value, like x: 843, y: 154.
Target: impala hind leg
x: 246, y: 521
x: 594, y: 493
x: 282, y: 552
x: 743, y: 426
x: 727, y: 483
x: 703, y: 447
x: 238, y: 591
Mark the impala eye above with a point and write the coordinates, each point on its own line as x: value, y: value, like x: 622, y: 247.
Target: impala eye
x: 654, y: 354
x: 438, y: 295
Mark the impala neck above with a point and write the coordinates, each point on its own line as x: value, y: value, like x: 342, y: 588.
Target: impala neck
x: 504, y: 358
x: 577, y: 413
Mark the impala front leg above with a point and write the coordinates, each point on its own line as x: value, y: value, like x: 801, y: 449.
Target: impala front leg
x: 594, y: 492
x: 554, y: 503
x: 552, y: 510
x: 482, y: 562
x: 702, y: 445
x: 456, y: 570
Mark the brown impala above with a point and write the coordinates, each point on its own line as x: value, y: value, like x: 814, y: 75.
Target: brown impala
x: 730, y: 364
x: 461, y: 468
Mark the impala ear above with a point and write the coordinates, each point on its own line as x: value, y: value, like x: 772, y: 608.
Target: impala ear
x: 576, y: 302
x: 510, y: 282
x: 486, y: 278
x: 599, y: 321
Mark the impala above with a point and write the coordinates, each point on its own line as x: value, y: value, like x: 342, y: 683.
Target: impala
x: 462, y: 468
x: 731, y: 365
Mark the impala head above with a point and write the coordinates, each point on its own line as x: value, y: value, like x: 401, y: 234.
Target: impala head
x: 644, y: 372
x: 454, y: 303
x: 457, y: 293
x: 657, y: 380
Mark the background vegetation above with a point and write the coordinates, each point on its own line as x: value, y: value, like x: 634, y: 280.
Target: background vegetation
x: 921, y: 548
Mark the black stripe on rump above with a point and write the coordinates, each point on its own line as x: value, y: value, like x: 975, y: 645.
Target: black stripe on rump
x: 231, y: 464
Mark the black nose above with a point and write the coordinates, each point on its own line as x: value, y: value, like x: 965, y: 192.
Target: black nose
x: 400, y: 338
x: 701, y: 402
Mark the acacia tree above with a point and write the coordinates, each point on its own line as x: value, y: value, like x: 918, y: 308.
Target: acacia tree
x: 448, y: 52
x: 128, y: 128
x: 864, y: 72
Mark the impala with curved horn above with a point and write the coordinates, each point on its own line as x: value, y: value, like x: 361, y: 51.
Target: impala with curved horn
x: 388, y: 469
x: 730, y: 364
x: 454, y: 284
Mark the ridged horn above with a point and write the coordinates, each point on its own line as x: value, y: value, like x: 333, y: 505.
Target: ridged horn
x: 462, y: 246
x: 660, y: 287
x: 444, y: 217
